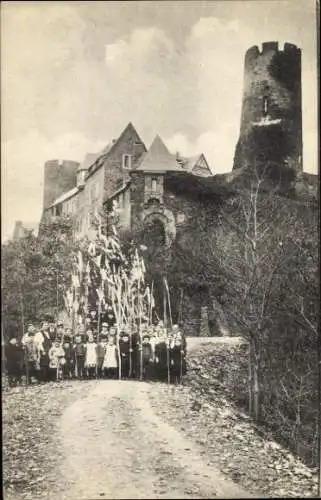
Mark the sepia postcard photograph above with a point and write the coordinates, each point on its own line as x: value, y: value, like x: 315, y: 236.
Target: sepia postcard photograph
x: 160, y: 288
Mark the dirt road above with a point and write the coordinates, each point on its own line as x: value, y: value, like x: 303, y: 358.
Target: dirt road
x: 113, y: 445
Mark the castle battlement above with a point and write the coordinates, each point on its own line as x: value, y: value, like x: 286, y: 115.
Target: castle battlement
x: 255, y: 52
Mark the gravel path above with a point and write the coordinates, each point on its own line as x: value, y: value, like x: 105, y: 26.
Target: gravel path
x: 115, y: 446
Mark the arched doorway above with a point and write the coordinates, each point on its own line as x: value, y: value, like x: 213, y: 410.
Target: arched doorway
x: 154, y: 234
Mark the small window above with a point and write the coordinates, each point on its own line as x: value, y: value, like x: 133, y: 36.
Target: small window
x: 265, y: 106
x: 127, y: 161
x: 154, y: 185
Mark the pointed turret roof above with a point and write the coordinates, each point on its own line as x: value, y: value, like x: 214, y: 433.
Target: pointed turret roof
x: 158, y: 158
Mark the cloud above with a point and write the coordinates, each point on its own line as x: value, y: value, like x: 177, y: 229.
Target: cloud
x: 216, y: 146
x: 74, y: 78
x: 22, y: 172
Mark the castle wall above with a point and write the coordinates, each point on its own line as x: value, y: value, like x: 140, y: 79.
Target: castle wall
x: 58, y: 178
x: 181, y: 215
x: 271, y: 90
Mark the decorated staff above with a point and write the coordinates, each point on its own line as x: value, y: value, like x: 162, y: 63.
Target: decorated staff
x: 103, y: 277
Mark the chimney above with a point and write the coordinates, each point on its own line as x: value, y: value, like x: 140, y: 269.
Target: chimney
x: 179, y: 159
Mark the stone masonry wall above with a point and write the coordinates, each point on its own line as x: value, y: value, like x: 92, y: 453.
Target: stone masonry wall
x: 273, y: 75
x: 58, y: 178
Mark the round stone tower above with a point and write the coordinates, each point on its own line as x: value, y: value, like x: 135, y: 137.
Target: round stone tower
x: 271, y: 118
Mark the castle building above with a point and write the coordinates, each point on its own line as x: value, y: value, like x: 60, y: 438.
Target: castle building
x: 271, y: 116
x: 125, y: 175
x: 166, y: 197
x: 22, y: 229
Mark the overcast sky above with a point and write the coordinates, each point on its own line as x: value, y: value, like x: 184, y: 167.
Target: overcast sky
x: 74, y: 75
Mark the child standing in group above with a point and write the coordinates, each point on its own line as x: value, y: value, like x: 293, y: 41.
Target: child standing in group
x: 110, y: 365
x: 56, y: 360
x: 91, y: 355
x: 79, y: 356
x: 101, y: 350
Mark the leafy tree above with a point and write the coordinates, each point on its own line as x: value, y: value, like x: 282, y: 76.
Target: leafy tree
x: 259, y: 260
x: 35, y: 271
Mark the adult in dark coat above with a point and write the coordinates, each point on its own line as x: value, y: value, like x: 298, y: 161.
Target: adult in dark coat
x: 60, y: 331
x: 14, y: 356
x: 67, y: 345
x: 161, y: 358
x: 101, y: 351
x: 146, y: 355
x: 177, y: 361
x: 124, y: 350
x: 45, y: 343
x: 79, y: 350
x: 134, y: 351
x: 52, y: 331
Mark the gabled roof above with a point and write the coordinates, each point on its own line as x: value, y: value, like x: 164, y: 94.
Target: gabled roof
x: 65, y: 196
x: 100, y: 157
x: 190, y: 163
x: 159, y: 159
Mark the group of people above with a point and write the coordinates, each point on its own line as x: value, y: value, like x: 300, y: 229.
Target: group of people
x: 55, y: 352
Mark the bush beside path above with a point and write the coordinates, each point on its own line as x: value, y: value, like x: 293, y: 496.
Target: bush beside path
x: 204, y: 408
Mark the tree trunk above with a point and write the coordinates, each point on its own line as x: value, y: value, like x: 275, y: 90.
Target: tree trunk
x: 250, y: 380
x: 256, y: 382
x: 3, y: 355
x: 256, y: 392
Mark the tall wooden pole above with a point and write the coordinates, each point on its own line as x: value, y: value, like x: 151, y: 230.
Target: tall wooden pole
x: 140, y: 331
x: 180, y: 314
x: 57, y: 297
x: 164, y: 304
